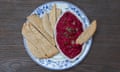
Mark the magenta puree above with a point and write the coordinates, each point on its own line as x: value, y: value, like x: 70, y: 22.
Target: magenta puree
x: 68, y: 29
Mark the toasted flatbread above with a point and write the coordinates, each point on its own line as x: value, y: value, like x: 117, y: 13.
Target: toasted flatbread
x: 39, y: 33
x: 37, y: 23
x: 46, y: 25
x: 52, y: 16
x: 36, y: 51
x: 58, y: 13
x: 87, y: 33
x: 48, y: 48
x: 32, y: 41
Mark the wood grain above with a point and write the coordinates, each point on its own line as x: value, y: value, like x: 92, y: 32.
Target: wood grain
x: 104, y: 55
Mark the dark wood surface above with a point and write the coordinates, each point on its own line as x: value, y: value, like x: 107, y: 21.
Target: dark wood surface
x: 104, y: 55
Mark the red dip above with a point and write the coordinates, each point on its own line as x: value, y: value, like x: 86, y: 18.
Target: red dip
x: 68, y: 29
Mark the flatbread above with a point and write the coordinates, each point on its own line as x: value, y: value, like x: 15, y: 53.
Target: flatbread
x: 49, y: 49
x: 35, y: 51
x: 58, y: 13
x: 38, y: 24
x: 52, y: 16
x: 87, y: 33
x: 32, y: 41
x: 47, y: 25
x: 39, y: 33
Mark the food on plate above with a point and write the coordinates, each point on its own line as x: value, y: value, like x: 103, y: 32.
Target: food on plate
x: 32, y: 41
x: 38, y: 40
x: 48, y: 48
x: 52, y: 16
x: 38, y: 53
x: 87, y: 33
x: 36, y: 21
x: 39, y: 34
x: 69, y: 34
x: 68, y: 29
x: 58, y: 13
x: 46, y: 25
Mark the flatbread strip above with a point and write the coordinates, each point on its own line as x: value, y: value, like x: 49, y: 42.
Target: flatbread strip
x: 37, y: 22
x: 52, y: 16
x: 35, y: 50
x: 59, y: 12
x: 39, y: 40
x: 87, y: 33
x: 46, y: 24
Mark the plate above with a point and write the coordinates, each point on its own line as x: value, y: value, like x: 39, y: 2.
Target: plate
x: 59, y: 62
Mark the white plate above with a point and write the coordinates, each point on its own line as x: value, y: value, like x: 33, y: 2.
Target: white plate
x: 59, y: 62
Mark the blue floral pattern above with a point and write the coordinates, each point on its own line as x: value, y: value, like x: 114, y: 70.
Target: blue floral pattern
x: 65, y: 63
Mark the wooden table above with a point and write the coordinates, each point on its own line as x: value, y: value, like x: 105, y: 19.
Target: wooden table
x: 104, y: 55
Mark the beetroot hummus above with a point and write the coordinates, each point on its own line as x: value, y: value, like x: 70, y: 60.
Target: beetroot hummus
x: 68, y: 29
